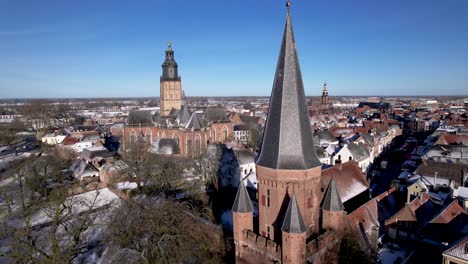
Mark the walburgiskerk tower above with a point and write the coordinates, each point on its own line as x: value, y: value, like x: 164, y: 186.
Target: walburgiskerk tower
x: 325, y: 100
x: 290, y: 188
x: 171, y: 87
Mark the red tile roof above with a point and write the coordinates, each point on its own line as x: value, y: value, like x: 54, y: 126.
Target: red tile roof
x: 408, y: 213
x: 348, y: 177
x: 448, y: 214
x: 449, y: 139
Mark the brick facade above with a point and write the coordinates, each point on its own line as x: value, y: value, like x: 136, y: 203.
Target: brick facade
x: 191, y: 142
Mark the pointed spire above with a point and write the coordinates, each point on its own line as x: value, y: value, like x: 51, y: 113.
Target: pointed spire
x: 293, y: 222
x: 332, y: 200
x: 169, y: 46
x: 242, y: 203
x: 287, y: 140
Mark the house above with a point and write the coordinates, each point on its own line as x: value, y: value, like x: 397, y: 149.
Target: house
x: 323, y: 138
x: 353, y: 151
x: 454, y: 174
x: 408, y: 221
x: 368, y: 221
x: 461, y: 194
x: 241, y: 133
x: 80, y: 170
x: 246, y: 162
x: 458, y: 253
x: 53, y: 138
x: 350, y: 182
x: 97, y: 156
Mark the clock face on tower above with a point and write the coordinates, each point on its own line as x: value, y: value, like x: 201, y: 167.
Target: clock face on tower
x: 171, y: 73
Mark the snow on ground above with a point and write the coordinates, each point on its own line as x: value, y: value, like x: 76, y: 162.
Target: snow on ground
x: 80, y: 203
x: 126, y: 185
x: 389, y: 255
x: 7, y: 181
x: 5, y: 160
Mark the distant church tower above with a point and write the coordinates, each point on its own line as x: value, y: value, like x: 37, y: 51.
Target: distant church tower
x: 171, y: 88
x: 325, y: 101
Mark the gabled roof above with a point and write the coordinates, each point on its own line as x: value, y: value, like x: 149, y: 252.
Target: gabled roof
x: 348, y: 178
x: 249, y: 119
x: 358, y: 151
x: 242, y: 203
x: 183, y: 116
x: 459, y: 249
x: 293, y: 221
x: 287, y: 139
x: 448, y: 213
x: 332, y: 200
x: 136, y: 118
x: 193, y: 122
x: 216, y: 114
x: 90, y: 153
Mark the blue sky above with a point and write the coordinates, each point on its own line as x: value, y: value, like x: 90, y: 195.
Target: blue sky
x: 115, y: 48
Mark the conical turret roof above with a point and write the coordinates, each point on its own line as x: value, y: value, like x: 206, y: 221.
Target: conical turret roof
x: 293, y: 221
x: 242, y: 203
x: 332, y: 200
x: 287, y: 140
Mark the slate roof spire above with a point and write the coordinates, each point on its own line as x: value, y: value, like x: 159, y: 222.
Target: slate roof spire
x: 287, y: 139
x: 242, y: 203
x: 332, y: 200
x: 293, y: 221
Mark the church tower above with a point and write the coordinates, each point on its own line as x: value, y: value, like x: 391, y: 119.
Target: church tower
x: 170, y: 84
x: 324, y: 100
x: 288, y: 163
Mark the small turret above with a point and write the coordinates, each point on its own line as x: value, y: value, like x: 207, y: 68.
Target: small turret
x: 242, y: 216
x: 294, y: 234
x: 332, y: 208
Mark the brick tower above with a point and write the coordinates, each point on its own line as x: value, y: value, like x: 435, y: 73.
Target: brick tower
x: 288, y: 162
x: 324, y: 100
x: 333, y: 214
x: 170, y: 84
x: 294, y: 234
x: 289, y: 173
x: 242, y: 216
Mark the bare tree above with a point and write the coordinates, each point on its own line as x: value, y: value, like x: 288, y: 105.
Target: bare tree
x: 9, y: 132
x: 44, y: 229
x: 38, y: 113
x: 163, y: 233
x: 153, y: 173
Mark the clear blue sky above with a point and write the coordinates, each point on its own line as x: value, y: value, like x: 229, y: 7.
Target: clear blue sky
x: 90, y: 48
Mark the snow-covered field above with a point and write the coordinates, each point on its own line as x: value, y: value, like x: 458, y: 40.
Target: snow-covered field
x: 80, y: 203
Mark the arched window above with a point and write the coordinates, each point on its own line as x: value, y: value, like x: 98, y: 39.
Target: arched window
x: 189, y: 147
x: 213, y: 135
x: 225, y: 134
x: 133, y: 138
x: 176, y: 137
x: 149, y: 136
x: 197, y: 146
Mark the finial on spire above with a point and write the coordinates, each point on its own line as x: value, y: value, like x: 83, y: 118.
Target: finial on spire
x: 288, y: 4
x: 169, y: 44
